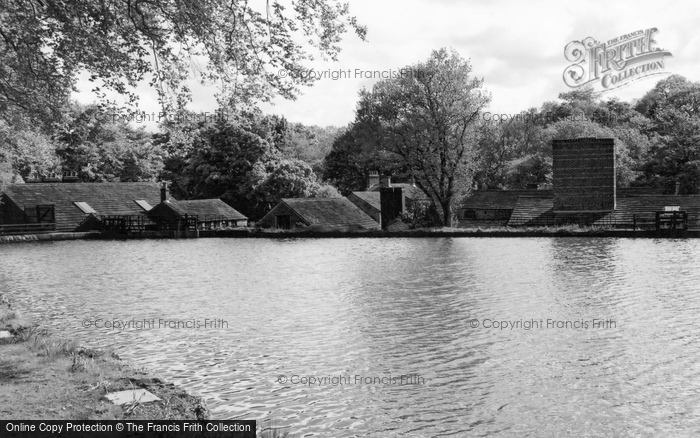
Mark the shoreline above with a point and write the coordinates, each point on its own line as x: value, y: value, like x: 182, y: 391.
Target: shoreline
x: 253, y: 233
x: 441, y: 232
x: 50, y: 378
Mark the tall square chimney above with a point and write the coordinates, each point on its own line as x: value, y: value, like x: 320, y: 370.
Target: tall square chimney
x: 584, y: 175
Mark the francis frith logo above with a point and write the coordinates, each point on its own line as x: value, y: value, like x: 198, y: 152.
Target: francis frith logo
x: 615, y: 63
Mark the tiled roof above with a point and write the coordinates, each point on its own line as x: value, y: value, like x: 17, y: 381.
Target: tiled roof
x: 539, y: 210
x: 330, y: 212
x: 637, y: 191
x: 507, y: 199
x: 372, y: 198
x: 532, y: 209
x: 206, y: 207
x: 500, y: 199
x: 105, y: 198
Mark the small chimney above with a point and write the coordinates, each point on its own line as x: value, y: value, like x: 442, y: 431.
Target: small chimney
x: 164, y: 192
x: 33, y: 178
x: 70, y: 177
x: 51, y: 178
x: 385, y: 181
x: 678, y: 188
x: 372, y: 179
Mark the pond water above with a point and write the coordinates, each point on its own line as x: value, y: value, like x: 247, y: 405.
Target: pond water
x: 505, y: 337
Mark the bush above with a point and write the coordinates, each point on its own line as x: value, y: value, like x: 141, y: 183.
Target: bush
x: 422, y: 215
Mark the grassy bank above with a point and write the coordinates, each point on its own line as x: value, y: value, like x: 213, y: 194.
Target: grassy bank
x: 43, y: 377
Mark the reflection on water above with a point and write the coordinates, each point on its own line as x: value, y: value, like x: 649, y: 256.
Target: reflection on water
x: 385, y: 308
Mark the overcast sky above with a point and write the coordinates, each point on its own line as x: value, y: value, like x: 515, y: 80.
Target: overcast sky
x: 516, y: 47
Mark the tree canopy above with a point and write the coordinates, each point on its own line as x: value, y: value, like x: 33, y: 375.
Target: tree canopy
x: 235, y: 44
x: 429, y: 118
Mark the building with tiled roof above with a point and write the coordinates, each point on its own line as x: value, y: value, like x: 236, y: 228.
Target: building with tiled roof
x: 410, y: 192
x: 75, y: 202
x: 327, y: 214
x: 635, y: 210
x: 211, y: 213
x: 82, y: 206
x: 583, y: 192
x: 369, y: 200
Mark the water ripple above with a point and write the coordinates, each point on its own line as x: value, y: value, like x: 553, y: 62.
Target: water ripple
x: 584, y: 337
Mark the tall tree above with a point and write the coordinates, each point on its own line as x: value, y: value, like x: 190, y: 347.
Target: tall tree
x: 428, y: 117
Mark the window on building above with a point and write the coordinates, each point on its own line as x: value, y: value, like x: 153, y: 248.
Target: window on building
x: 85, y: 207
x: 143, y: 204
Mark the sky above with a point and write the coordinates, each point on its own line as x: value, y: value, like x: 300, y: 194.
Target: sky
x: 516, y: 47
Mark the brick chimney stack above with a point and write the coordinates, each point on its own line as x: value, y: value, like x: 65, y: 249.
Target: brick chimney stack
x: 584, y: 175
x: 164, y: 192
x: 372, y: 179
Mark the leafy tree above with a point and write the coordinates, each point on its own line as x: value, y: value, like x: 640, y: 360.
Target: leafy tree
x: 281, y: 178
x: 428, y: 119
x: 6, y: 176
x: 44, y: 44
x: 295, y: 140
x: 230, y: 162
x: 353, y: 154
x: 346, y: 165
x: 532, y: 170
x: 328, y: 191
x: 673, y: 107
x: 105, y: 150
x: 26, y: 152
x: 504, y: 145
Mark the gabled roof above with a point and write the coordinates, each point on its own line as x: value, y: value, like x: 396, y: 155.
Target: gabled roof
x: 371, y: 198
x: 532, y: 207
x: 204, y: 208
x: 500, y: 199
x: 104, y: 198
x: 409, y: 191
x: 330, y: 213
x: 637, y: 191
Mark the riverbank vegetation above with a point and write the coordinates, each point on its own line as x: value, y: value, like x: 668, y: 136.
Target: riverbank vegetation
x: 46, y: 377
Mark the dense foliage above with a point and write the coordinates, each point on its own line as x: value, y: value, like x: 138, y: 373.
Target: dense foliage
x: 426, y: 121
x: 235, y: 45
x: 657, y: 140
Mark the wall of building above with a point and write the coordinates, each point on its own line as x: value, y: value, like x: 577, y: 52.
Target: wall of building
x: 10, y: 213
x: 584, y: 174
x: 392, y: 202
x: 282, y: 209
